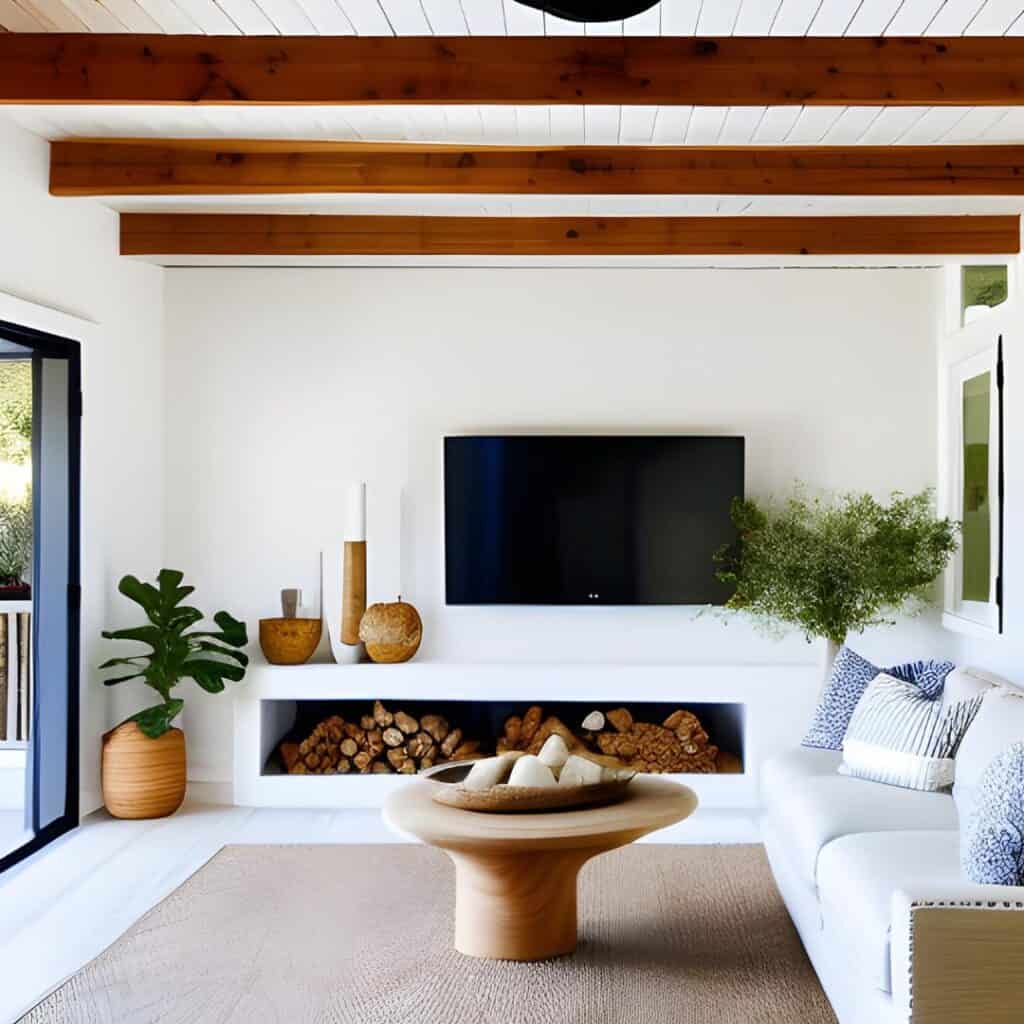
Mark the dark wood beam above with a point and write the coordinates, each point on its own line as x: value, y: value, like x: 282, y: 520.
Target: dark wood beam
x: 162, y: 168
x: 320, y: 235
x: 126, y: 69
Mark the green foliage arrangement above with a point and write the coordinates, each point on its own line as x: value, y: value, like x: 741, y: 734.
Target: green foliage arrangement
x: 835, y: 566
x: 174, y: 654
x: 15, y: 411
x: 15, y: 538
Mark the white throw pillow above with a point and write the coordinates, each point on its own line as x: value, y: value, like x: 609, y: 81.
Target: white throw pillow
x: 966, y: 683
x: 901, y: 737
x: 998, y: 724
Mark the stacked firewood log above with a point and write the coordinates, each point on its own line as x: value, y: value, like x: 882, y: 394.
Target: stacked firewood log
x: 380, y: 743
x: 679, y: 744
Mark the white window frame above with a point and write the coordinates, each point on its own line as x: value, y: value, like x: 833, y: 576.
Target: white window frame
x: 974, y: 617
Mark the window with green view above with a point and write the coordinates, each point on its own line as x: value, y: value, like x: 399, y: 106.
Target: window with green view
x: 977, y: 540
x: 982, y: 286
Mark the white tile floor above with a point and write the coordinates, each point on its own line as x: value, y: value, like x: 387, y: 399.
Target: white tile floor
x: 12, y: 831
x: 64, y: 906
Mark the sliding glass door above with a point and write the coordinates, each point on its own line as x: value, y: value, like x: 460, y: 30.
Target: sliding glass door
x: 40, y: 409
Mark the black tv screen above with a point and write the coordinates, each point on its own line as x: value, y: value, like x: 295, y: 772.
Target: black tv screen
x: 588, y: 520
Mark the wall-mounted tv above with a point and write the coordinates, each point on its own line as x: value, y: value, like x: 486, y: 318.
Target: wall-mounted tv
x: 567, y: 520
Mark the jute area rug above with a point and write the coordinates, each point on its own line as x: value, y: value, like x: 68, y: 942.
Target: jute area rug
x: 362, y: 935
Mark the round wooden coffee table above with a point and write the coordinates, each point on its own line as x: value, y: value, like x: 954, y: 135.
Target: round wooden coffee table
x: 515, y: 874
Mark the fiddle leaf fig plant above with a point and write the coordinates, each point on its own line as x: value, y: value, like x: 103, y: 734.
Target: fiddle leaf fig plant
x: 208, y: 656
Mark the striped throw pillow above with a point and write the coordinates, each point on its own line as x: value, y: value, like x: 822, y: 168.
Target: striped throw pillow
x: 902, y: 737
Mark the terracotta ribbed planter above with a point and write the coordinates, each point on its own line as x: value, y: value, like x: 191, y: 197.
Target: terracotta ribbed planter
x: 143, y: 777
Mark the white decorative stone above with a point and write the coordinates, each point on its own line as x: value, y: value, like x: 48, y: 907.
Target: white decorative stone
x: 488, y: 772
x: 531, y: 771
x: 554, y: 753
x: 579, y: 771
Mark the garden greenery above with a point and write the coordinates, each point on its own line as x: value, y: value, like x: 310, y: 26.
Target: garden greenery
x: 15, y: 451
x: 831, y: 567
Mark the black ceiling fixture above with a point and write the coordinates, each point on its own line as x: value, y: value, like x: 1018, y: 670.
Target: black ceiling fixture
x: 591, y: 10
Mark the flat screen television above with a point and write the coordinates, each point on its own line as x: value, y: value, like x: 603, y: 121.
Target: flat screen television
x: 588, y: 520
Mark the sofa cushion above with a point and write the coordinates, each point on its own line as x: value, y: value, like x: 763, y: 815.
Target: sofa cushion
x: 847, y: 682
x: 992, y: 840
x: 966, y: 683
x: 998, y: 724
x: 900, y: 737
x: 810, y: 803
x: 857, y: 876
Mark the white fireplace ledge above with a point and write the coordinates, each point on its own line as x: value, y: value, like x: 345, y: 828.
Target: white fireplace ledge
x: 772, y: 704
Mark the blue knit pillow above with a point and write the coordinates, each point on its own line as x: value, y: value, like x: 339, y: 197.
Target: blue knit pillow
x: 846, y: 685
x: 992, y: 844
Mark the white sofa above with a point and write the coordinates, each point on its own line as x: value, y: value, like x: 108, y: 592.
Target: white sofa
x: 871, y: 876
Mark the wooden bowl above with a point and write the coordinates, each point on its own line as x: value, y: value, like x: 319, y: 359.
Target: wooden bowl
x: 289, y: 641
x: 504, y: 799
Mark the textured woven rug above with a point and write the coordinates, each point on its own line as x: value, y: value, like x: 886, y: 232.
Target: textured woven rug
x: 362, y: 935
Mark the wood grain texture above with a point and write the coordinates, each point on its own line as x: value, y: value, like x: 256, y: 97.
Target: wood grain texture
x: 343, y: 934
x: 211, y: 167
x: 353, y: 590
x: 722, y: 71
x: 336, y: 235
x: 967, y: 965
x: 289, y: 641
x: 143, y: 777
x: 515, y: 875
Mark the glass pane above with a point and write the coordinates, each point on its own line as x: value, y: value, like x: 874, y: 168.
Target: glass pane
x: 977, y: 541
x: 16, y: 647
x: 982, y: 286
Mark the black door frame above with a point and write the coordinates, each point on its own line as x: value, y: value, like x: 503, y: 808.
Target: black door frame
x: 42, y: 345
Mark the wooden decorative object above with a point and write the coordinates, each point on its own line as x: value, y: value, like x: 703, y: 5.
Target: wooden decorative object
x: 448, y: 778
x: 515, y: 874
x: 353, y: 590
x: 143, y: 777
x: 289, y: 641
x: 392, y: 632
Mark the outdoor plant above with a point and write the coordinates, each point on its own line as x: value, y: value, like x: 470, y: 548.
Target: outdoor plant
x: 15, y: 538
x: 208, y: 657
x: 835, y: 566
x: 15, y: 473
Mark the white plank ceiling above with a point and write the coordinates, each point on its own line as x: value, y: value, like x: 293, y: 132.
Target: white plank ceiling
x: 507, y: 17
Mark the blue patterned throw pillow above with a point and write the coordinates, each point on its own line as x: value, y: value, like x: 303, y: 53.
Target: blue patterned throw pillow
x: 992, y: 844
x: 850, y: 677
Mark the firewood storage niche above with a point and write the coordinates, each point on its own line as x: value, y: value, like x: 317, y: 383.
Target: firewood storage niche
x: 399, y: 736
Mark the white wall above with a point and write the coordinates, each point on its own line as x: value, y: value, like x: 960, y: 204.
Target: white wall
x: 62, y: 253
x: 285, y: 384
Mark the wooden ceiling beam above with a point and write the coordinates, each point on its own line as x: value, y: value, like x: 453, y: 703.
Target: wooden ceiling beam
x: 723, y: 71
x: 149, y: 234
x: 195, y: 168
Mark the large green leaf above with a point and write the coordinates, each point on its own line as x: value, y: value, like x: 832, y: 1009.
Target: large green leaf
x: 155, y: 721
x: 232, y: 631
x: 144, y: 594
x: 123, y: 679
x: 210, y: 675
x: 181, y: 618
x: 143, y: 634
x: 225, y: 652
x: 111, y: 662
